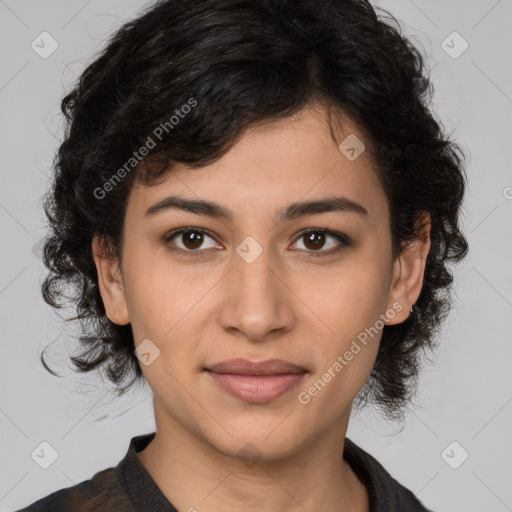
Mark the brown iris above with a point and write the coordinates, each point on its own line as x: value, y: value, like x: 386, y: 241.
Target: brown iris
x: 192, y: 239
x: 316, y: 240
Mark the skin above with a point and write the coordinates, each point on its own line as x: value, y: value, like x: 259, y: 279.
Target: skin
x: 216, y: 306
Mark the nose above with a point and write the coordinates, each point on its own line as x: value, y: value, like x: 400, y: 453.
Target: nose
x: 258, y: 304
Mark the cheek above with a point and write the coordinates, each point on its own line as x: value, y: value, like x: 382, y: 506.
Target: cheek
x: 167, y: 309
x: 152, y: 298
x: 346, y: 300
x: 347, y: 305
x: 345, y: 357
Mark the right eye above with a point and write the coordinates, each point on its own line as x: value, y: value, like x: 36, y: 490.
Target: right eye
x: 191, y: 240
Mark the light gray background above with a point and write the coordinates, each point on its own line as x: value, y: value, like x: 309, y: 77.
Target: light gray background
x: 465, y: 396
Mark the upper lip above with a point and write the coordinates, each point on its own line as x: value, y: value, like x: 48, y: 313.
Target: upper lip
x: 246, y: 367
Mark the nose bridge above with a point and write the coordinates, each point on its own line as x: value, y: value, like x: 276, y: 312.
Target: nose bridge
x: 253, y: 269
x: 257, y: 303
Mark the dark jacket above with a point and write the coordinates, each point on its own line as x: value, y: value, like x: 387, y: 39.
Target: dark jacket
x: 128, y: 487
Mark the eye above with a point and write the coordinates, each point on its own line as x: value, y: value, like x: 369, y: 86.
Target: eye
x: 315, y: 239
x: 191, y: 239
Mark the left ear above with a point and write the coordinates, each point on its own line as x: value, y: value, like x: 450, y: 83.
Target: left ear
x: 409, y: 270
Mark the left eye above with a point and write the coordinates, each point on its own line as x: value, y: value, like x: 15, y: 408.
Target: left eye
x: 315, y: 240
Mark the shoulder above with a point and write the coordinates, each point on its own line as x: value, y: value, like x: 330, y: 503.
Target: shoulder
x: 386, y: 493
x: 100, y: 493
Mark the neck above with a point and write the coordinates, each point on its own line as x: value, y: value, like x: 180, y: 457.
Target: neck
x: 197, y: 476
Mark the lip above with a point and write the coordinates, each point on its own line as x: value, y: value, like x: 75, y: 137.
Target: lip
x: 256, y: 382
x: 246, y: 367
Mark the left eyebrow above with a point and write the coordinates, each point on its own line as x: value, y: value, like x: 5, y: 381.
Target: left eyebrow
x: 327, y: 204
x: 291, y: 211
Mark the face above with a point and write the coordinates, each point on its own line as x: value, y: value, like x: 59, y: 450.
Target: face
x: 311, y: 286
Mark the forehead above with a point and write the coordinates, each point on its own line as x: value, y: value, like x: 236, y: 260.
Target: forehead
x: 274, y: 163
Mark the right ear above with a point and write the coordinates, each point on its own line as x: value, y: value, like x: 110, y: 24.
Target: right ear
x: 110, y: 283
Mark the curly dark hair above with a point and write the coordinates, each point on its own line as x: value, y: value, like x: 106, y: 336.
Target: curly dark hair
x: 243, y: 62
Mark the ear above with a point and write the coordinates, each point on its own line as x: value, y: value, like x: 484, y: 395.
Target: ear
x: 110, y: 283
x: 409, y: 270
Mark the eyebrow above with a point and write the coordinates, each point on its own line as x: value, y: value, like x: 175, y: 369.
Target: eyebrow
x: 289, y: 212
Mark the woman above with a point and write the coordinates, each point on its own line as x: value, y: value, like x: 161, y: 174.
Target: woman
x: 257, y: 211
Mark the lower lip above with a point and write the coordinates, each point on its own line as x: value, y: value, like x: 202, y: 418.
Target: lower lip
x: 256, y: 389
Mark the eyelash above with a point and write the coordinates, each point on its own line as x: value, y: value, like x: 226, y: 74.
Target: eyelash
x: 343, y: 239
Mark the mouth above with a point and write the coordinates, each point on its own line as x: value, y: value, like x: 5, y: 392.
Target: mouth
x: 256, y: 382
x: 258, y: 368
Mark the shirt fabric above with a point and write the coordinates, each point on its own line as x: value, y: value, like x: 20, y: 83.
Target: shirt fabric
x: 128, y: 487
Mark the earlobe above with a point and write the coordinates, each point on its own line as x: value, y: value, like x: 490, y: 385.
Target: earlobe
x: 409, y: 271
x: 110, y: 283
